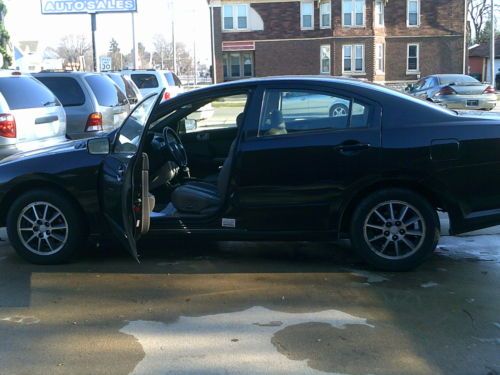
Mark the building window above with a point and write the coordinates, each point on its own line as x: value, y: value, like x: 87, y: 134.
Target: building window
x: 413, y: 65
x: 238, y: 65
x: 379, y: 13
x: 235, y: 17
x: 307, y: 15
x: 380, y: 58
x: 353, y: 13
x: 326, y: 59
x: 353, y: 58
x: 413, y: 14
x: 325, y: 11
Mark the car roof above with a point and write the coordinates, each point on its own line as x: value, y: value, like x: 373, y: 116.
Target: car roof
x: 64, y: 74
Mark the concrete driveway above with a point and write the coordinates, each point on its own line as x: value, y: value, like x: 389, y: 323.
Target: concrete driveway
x: 252, y: 308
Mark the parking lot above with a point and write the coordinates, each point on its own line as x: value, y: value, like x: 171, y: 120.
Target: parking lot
x: 252, y: 308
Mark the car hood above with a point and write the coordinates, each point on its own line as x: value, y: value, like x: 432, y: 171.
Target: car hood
x: 60, y: 148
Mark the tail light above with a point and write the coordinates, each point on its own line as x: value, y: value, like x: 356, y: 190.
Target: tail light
x: 94, y: 122
x: 167, y: 95
x: 7, y: 126
x: 447, y: 90
x: 489, y: 90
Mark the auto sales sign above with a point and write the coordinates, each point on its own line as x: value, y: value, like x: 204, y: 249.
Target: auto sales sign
x: 87, y: 6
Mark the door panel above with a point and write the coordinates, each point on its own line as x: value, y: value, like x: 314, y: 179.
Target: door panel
x: 297, y: 169
x: 123, y: 200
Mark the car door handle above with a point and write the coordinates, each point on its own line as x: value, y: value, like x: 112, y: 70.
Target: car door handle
x: 46, y: 119
x: 120, y: 172
x: 352, y: 147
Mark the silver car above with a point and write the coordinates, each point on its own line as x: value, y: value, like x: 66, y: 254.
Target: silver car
x: 455, y: 91
x: 31, y: 117
x: 151, y: 81
x: 94, y: 104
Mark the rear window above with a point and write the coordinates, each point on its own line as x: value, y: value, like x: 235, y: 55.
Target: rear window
x: 26, y: 92
x: 67, y: 90
x: 458, y: 79
x: 107, y: 93
x: 145, y: 81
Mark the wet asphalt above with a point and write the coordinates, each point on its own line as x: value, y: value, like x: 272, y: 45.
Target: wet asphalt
x: 195, y: 307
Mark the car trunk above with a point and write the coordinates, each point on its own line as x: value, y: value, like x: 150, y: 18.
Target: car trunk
x: 469, y: 89
x: 113, y: 117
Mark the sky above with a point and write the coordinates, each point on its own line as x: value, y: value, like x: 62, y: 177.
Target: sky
x: 24, y: 21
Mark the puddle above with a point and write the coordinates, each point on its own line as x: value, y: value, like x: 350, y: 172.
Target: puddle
x: 235, y: 343
x: 480, y: 248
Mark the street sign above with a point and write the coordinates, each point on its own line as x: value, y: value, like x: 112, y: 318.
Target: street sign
x: 87, y: 6
x: 105, y: 63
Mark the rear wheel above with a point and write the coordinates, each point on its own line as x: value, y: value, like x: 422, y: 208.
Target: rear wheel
x: 45, y: 227
x: 394, y: 229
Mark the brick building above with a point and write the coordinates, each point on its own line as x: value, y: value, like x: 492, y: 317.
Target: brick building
x: 378, y: 40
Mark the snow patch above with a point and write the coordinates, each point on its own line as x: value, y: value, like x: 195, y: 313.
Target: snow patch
x: 482, y: 248
x: 236, y: 343
x: 19, y: 319
x: 430, y: 284
x: 370, y: 276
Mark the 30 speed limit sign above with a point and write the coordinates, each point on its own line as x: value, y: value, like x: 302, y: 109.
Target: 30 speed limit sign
x: 105, y: 63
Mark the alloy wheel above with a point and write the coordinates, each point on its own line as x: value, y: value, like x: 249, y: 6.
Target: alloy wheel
x: 42, y: 228
x: 394, y: 230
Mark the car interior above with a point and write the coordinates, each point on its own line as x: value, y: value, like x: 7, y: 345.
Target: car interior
x: 190, y: 153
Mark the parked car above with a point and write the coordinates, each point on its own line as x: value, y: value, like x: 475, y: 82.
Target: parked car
x: 376, y: 176
x: 455, y: 91
x: 31, y: 116
x: 125, y: 83
x: 93, y: 102
x: 153, y: 81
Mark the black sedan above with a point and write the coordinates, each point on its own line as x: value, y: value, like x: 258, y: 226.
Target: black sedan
x: 263, y: 159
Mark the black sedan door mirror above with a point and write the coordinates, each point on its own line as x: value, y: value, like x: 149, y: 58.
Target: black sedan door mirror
x: 98, y: 146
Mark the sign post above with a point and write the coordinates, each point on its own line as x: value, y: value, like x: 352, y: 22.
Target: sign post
x: 92, y: 7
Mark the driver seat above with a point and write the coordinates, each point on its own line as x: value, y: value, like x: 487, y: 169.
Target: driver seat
x: 198, y: 197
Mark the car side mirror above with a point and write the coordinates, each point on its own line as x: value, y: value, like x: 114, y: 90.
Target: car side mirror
x: 98, y: 146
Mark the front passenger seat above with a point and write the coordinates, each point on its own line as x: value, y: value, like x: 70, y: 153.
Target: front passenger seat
x: 197, y: 197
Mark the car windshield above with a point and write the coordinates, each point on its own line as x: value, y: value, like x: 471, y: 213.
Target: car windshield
x: 458, y: 80
x: 26, y: 92
x: 129, y: 137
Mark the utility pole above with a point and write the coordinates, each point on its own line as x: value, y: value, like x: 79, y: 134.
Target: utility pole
x: 492, y: 52
x: 174, y: 50
x: 195, y: 63
x: 134, y: 47
x: 93, y: 21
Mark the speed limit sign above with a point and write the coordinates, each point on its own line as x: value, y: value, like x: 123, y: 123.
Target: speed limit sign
x: 105, y: 63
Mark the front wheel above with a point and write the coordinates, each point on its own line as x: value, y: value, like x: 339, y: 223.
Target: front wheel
x: 45, y: 227
x: 394, y: 229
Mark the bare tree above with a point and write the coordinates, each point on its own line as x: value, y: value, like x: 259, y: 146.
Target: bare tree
x: 73, y: 49
x: 478, y: 12
x: 162, y: 51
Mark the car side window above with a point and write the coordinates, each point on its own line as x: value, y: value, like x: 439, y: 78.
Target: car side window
x: 129, y: 136
x: 288, y: 112
x: 220, y: 113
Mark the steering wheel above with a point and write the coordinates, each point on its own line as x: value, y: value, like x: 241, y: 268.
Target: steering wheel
x: 174, y: 145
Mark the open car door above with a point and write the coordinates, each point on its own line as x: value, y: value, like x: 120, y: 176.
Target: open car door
x: 125, y: 197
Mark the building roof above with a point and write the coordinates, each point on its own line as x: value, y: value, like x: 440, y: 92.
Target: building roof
x: 483, y: 50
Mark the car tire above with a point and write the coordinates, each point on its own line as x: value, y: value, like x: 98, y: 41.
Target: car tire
x: 339, y: 110
x: 45, y: 227
x: 399, y: 241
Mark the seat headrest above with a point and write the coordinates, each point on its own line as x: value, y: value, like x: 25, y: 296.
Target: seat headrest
x: 240, y: 119
x: 276, y: 118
